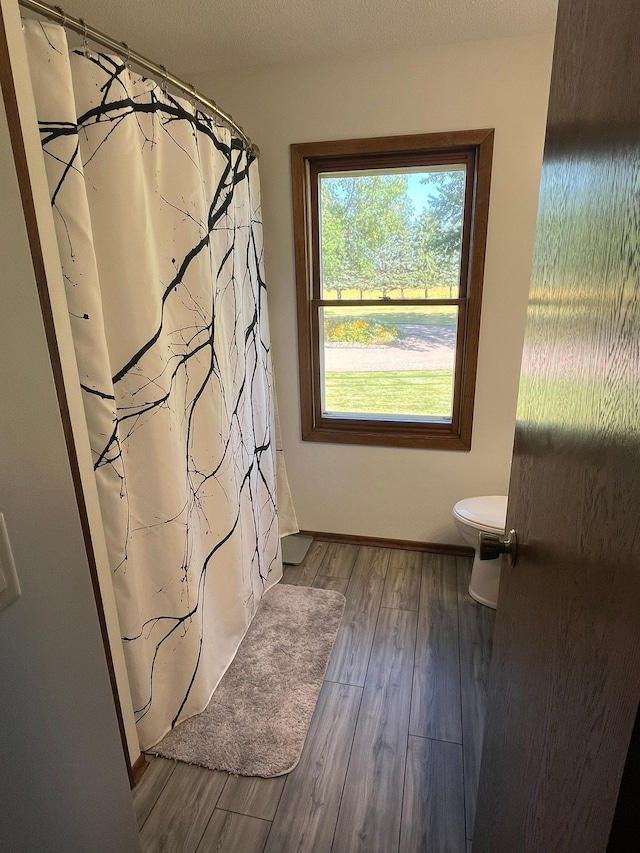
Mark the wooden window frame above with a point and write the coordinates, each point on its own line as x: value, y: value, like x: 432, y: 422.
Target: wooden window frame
x: 308, y: 161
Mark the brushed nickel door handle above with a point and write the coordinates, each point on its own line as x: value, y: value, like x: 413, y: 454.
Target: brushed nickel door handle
x: 492, y: 545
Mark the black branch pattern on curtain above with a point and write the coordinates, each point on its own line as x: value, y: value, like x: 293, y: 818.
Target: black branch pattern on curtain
x: 144, y: 384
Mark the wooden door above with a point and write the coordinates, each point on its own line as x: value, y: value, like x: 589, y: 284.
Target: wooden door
x: 565, y: 679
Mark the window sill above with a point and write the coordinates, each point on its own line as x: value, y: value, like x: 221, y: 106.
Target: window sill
x: 418, y: 437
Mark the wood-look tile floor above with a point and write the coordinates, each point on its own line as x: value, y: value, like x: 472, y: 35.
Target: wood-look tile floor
x: 391, y: 761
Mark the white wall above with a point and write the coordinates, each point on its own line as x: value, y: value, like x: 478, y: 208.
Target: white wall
x: 64, y: 341
x: 63, y: 780
x: 395, y: 492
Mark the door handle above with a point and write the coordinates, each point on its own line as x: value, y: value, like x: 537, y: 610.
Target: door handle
x: 491, y: 546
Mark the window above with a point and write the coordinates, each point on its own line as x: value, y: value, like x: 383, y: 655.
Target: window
x: 390, y: 238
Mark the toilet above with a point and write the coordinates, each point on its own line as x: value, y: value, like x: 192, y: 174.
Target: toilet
x: 485, y: 514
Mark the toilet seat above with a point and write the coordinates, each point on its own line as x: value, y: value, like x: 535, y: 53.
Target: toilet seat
x: 487, y: 513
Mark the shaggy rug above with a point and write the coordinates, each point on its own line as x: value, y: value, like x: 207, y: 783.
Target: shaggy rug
x: 257, y: 720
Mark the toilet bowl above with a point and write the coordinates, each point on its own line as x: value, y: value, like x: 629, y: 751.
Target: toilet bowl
x: 485, y: 514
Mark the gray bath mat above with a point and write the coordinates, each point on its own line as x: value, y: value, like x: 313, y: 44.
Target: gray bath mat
x: 257, y: 720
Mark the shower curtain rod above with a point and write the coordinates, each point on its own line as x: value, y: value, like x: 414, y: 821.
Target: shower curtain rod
x: 78, y: 25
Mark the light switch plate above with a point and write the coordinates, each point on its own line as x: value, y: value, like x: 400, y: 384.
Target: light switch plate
x: 9, y: 584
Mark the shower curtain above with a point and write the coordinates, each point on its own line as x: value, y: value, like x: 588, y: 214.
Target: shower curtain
x: 157, y: 212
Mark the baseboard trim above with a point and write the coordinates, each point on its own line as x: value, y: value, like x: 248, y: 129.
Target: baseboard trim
x: 137, y: 771
x: 402, y: 544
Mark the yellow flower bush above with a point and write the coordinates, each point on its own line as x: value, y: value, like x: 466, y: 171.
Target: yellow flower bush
x: 359, y: 332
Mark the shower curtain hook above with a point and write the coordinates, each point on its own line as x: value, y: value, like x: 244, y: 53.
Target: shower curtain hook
x: 127, y: 61
x: 163, y: 82
x: 63, y: 14
x: 85, y: 41
x: 194, y: 95
x: 247, y: 147
x: 216, y: 117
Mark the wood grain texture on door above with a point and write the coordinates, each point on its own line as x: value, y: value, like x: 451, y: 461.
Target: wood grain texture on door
x: 565, y: 678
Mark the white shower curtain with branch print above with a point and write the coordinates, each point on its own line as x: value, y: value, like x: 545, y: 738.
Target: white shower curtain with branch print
x: 157, y: 212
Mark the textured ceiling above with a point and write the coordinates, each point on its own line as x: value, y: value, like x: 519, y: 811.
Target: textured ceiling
x: 195, y: 37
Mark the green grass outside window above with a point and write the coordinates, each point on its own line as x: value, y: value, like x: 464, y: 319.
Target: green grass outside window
x: 421, y: 393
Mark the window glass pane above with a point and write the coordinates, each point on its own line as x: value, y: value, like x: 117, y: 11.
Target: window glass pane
x: 389, y: 362
x: 393, y: 234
